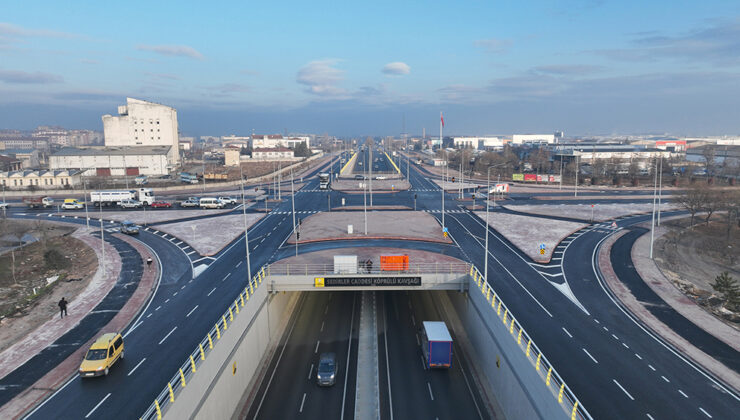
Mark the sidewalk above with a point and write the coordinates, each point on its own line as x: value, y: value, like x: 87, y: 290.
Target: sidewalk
x: 78, y: 308
x: 654, y: 278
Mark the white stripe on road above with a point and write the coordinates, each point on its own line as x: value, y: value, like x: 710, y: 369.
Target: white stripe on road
x: 682, y: 393
x: 316, y: 350
x: 651, y: 367
x: 700, y: 409
x: 227, y: 276
x: 168, y: 334
x: 566, y: 331
x: 106, y: 397
x: 191, y: 311
x: 240, y: 263
x: 589, y: 355
x: 638, y: 356
x: 209, y: 293
x: 302, y: 402
x: 623, y: 390
x: 430, y: 391
x: 310, y: 371
x: 665, y: 379
x: 136, y: 367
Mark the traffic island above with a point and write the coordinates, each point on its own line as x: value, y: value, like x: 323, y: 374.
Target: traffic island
x: 353, y: 186
x: 209, y: 236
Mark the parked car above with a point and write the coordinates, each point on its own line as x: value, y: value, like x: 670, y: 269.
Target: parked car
x: 4, y: 205
x: 326, y: 374
x: 130, y: 204
x: 72, y: 204
x: 227, y: 200
x: 360, y: 177
x: 190, y: 203
x: 129, y: 228
x: 381, y: 177
x: 161, y: 205
x: 103, y: 353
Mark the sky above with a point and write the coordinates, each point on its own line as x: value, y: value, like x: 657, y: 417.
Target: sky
x: 585, y: 67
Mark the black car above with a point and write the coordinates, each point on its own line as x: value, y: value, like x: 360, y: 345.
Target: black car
x: 326, y: 374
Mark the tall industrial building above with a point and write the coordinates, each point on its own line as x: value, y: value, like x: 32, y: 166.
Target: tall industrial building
x: 142, y: 123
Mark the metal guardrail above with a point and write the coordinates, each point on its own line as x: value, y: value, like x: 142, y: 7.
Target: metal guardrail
x: 328, y: 269
x: 189, y: 368
x: 548, y: 374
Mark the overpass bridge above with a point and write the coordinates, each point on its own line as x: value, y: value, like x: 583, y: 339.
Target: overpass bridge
x: 216, y: 379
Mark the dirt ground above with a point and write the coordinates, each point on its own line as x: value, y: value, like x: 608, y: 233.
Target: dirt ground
x: 18, y: 303
x: 692, y: 258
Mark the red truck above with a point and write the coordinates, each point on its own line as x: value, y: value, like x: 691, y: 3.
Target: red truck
x: 38, y: 202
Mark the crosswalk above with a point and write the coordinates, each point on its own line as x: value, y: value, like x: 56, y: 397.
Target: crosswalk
x: 446, y: 211
x: 424, y: 190
x: 298, y: 212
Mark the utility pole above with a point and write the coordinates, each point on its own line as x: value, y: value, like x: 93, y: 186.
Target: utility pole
x: 87, y: 218
x: 561, y: 171
x: 660, y: 187
x: 577, y: 170
x: 292, y: 199
x: 488, y: 192
x: 369, y: 164
x: 652, y: 223
x: 364, y: 199
x: 102, y: 242
x: 244, y: 212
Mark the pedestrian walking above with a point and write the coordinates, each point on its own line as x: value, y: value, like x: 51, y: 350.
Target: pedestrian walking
x: 62, y: 308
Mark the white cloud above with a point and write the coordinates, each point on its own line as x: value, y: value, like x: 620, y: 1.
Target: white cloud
x: 172, y: 50
x: 396, y: 68
x: 11, y: 30
x: 493, y: 45
x: 22, y: 77
x: 321, y: 77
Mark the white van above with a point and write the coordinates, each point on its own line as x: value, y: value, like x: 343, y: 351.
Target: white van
x: 211, y: 203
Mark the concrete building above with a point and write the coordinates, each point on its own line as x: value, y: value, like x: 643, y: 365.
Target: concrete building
x: 260, y: 141
x: 142, y: 123
x: 478, y: 142
x: 114, y: 161
x: 274, y: 153
x: 232, y: 156
x: 24, y: 142
x: 532, y: 139
x: 42, y: 179
x: 29, y: 158
x: 60, y: 136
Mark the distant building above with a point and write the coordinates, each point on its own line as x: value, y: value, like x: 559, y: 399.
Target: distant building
x: 274, y: 153
x: 142, y: 123
x: 24, y: 142
x: 43, y: 179
x: 60, y: 136
x: 532, y: 139
x: 113, y: 161
x: 29, y: 158
x: 277, y: 140
x: 232, y: 156
x: 478, y: 142
x: 10, y: 163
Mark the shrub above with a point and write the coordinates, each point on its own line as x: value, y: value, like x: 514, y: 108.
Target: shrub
x: 54, y: 259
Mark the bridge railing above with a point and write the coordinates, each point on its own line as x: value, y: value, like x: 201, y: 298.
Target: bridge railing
x: 399, y: 268
x: 190, y: 366
x: 566, y: 398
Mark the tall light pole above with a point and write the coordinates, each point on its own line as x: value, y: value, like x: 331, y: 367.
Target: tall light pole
x: 102, y: 241
x: 660, y: 187
x: 246, y: 235
x: 369, y: 164
x: 292, y: 200
x: 577, y: 170
x: 652, y: 223
x: 485, y: 256
x: 364, y: 197
x: 87, y: 218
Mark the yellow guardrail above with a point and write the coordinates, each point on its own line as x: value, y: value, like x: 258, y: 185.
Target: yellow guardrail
x: 539, y: 362
x: 348, y: 162
x: 392, y: 162
x: 199, y: 354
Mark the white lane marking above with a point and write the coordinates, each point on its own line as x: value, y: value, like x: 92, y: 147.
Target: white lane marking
x: 139, y: 364
x: 664, y: 378
x: 682, y: 393
x: 174, y: 294
x: 625, y: 346
x: 182, y: 287
x: 106, y: 397
x: 638, y: 356
x: 316, y: 350
x: 191, y: 311
x: 191, y: 253
x: 240, y: 263
x: 589, y: 355
x: 615, y: 337
x: 430, y: 391
x: 651, y: 367
x: 149, y: 315
x: 168, y: 334
x: 310, y: 371
x: 349, y: 353
x: 413, y: 320
x: 649, y: 416
x: 300, y: 410
x: 227, y: 276
x: 212, y: 290
x: 605, y: 329
x: 623, y: 390
x: 322, y: 326
x: 566, y: 331
x: 158, y: 307
x: 418, y: 343
x: 707, y: 414
x: 167, y: 299
x: 597, y: 321
x: 326, y: 310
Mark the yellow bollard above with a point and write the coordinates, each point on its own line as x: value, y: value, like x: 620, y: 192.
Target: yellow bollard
x: 506, y: 312
x: 537, y: 366
x: 192, y: 363
x: 210, y: 342
x: 498, y: 311
x: 547, y: 380
x: 528, y: 346
x: 511, y: 329
x: 159, y: 411
x: 519, y: 339
x: 241, y: 296
x: 172, y: 394
x: 182, y: 378
x: 471, y: 269
x: 560, y: 395
x: 246, y: 292
x: 218, y: 332
x: 488, y: 295
x: 226, y: 326
x: 493, y: 301
x: 236, y: 305
x: 575, y: 410
x: 231, y: 315
x: 202, y: 353
x: 251, y: 290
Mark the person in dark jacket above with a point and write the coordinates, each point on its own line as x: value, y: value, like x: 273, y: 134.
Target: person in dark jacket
x: 62, y: 308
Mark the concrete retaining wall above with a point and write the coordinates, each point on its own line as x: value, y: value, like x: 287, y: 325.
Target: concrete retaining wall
x: 215, y: 390
x: 516, y: 385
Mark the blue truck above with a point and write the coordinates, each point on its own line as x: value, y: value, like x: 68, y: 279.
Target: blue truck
x: 436, y: 344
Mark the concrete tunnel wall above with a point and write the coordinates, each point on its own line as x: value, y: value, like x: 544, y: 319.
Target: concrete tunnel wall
x: 215, y: 391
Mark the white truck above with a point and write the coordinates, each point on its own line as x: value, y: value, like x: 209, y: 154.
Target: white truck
x: 114, y: 197
x: 324, y: 179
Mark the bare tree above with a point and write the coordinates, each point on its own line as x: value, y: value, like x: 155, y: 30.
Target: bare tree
x: 708, y: 154
x: 693, y: 200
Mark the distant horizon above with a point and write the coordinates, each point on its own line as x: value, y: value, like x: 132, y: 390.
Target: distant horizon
x: 584, y: 67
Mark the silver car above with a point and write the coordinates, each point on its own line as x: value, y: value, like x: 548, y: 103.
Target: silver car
x: 326, y: 374
x: 130, y: 204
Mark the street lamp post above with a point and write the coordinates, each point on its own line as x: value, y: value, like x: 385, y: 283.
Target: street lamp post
x: 292, y: 200
x: 364, y: 198
x: 485, y: 256
x: 660, y: 187
x: 652, y: 223
x: 246, y: 235
x: 87, y: 218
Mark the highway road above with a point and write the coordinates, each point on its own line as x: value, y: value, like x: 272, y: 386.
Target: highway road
x: 613, y: 363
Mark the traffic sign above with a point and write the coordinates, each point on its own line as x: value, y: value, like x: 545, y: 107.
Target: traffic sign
x: 542, y: 246
x: 444, y: 229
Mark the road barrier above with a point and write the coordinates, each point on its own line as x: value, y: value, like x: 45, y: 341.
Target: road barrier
x: 349, y: 161
x: 328, y: 269
x: 552, y: 380
x: 392, y: 162
x: 201, y: 352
